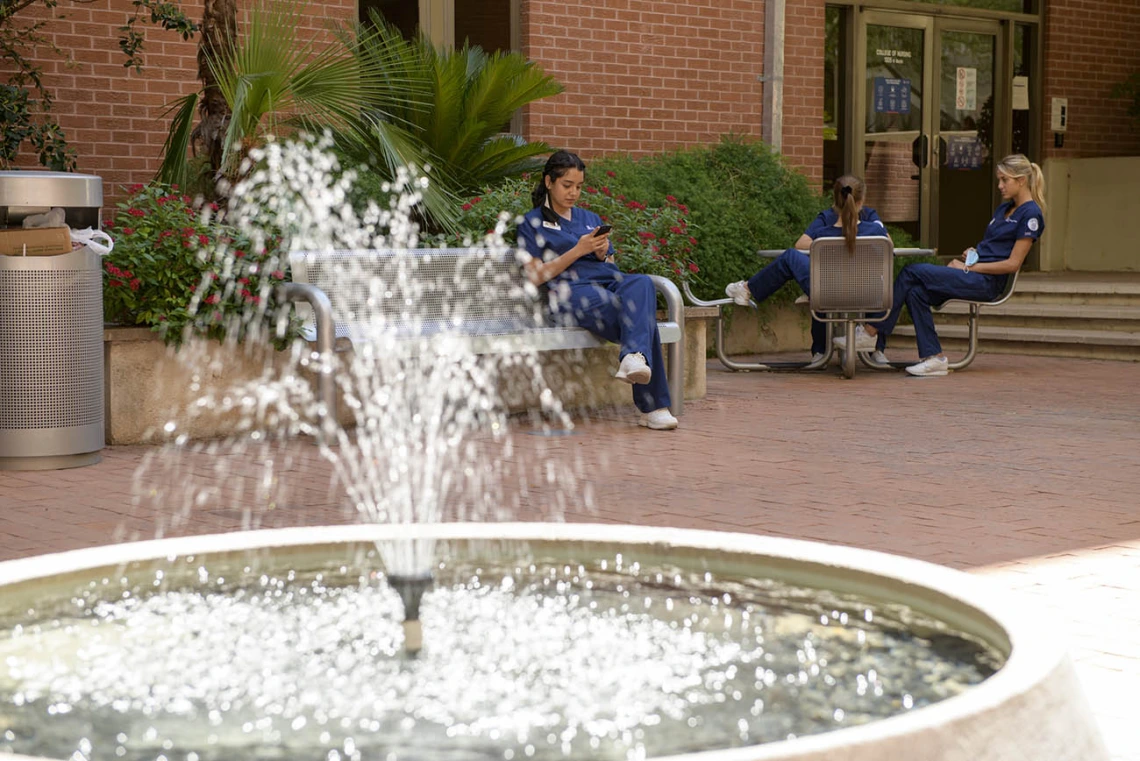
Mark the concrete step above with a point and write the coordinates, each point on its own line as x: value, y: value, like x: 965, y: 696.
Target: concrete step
x: 1092, y: 344
x: 1050, y: 315
x: 1118, y: 288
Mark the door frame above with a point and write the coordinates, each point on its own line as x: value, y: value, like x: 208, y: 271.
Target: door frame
x: 932, y: 25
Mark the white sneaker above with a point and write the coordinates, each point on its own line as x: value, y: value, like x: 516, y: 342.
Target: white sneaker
x: 658, y: 420
x: 864, y: 341
x: 633, y: 369
x: 817, y: 357
x: 878, y: 356
x: 739, y: 293
x: 931, y: 366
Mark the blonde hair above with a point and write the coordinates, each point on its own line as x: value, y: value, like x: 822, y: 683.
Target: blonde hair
x: 847, y: 195
x: 1019, y: 166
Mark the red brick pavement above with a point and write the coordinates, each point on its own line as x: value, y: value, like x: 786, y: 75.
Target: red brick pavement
x: 1025, y: 468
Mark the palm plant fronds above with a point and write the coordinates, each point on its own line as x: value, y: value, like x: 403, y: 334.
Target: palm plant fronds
x: 175, y: 169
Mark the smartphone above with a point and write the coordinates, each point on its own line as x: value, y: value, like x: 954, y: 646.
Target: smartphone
x: 602, y: 230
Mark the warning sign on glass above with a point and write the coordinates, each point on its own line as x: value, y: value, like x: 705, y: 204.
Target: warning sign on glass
x: 966, y: 92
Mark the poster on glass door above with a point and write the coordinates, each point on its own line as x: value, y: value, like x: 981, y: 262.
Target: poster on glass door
x: 892, y: 95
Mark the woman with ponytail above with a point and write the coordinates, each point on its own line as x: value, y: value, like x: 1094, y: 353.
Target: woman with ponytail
x: 846, y: 213
x: 570, y: 250
x: 979, y: 274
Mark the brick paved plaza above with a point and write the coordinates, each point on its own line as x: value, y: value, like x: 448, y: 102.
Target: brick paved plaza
x: 1023, y: 469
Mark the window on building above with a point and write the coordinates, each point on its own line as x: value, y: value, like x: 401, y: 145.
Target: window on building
x: 1024, y: 50
x: 486, y: 24
x: 402, y: 14
x: 834, y: 93
x: 1013, y: 6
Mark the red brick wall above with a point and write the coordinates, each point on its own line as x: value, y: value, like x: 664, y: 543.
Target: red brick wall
x: 112, y: 116
x: 645, y: 75
x: 803, y: 86
x: 1090, y: 45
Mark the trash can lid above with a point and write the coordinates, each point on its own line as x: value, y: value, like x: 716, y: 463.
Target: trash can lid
x: 33, y: 188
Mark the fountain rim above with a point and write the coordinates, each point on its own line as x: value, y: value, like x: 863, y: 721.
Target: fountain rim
x: 1030, y: 656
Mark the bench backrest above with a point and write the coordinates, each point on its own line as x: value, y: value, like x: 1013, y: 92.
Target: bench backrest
x: 423, y: 291
x: 845, y: 281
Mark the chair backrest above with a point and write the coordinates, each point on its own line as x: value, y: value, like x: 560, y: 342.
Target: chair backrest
x: 1010, y: 284
x: 422, y: 291
x: 842, y: 281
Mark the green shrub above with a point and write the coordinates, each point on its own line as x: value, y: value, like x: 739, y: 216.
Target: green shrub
x: 742, y: 198
x: 175, y: 272
x: 652, y: 240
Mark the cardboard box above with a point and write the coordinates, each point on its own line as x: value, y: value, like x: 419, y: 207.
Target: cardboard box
x: 44, y: 241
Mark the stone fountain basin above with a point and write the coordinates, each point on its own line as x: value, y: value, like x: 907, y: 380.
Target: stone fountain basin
x: 1032, y: 708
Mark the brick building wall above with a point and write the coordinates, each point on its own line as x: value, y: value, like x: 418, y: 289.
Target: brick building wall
x: 645, y: 75
x: 1089, y: 47
x: 112, y: 116
x: 803, y: 86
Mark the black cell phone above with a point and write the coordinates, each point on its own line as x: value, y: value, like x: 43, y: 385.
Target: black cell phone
x: 602, y: 230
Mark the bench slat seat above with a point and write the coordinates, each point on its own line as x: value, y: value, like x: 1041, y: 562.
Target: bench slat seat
x: 477, y: 296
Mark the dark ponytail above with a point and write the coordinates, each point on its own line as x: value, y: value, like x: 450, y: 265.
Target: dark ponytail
x: 847, y: 195
x: 559, y: 163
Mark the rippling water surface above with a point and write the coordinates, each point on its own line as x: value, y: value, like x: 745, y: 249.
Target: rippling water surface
x: 609, y: 660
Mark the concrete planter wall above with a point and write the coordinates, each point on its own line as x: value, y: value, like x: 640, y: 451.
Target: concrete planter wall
x: 148, y: 385
x: 1032, y: 708
x: 767, y: 330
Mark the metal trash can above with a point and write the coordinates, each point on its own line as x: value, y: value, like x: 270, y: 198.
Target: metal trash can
x: 51, y: 331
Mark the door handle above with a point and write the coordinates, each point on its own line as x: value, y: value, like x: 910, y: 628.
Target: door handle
x: 920, y: 151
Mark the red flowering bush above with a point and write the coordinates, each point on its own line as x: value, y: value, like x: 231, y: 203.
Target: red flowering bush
x: 178, y: 270
x: 651, y: 240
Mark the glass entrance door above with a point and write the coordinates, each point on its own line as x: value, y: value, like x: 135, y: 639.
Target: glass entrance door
x: 925, y: 113
x: 963, y: 179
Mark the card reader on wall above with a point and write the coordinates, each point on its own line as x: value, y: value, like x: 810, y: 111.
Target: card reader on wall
x: 1060, y: 121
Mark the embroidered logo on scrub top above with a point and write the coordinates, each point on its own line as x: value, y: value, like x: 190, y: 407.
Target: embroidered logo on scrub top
x: 1032, y: 224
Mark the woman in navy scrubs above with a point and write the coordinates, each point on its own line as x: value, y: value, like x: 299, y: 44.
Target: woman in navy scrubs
x: 1016, y: 223
x: 586, y: 287
x: 847, y: 218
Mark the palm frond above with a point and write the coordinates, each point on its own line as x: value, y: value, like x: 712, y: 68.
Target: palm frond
x: 175, y: 168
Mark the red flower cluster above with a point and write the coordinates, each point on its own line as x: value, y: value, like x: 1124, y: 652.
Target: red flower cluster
x: 136, y: 212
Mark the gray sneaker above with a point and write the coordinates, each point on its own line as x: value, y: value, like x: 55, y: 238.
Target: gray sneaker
x: 739, y: 293
x: 658, y: 420
x: 633, y: 369
x: 930, y: 367
x: 864, y: 341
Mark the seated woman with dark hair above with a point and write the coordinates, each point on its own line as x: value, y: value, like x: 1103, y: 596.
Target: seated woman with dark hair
x: 571, y: 251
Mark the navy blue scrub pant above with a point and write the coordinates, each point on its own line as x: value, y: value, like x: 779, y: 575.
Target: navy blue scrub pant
x: 921, y: 286
x: 790, y: 265
x: 623, y: 308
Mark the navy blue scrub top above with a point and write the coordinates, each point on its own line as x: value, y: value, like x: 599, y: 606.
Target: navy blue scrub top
x: 540, y: 237
x: 823, y: 226
x: 1026, y: 221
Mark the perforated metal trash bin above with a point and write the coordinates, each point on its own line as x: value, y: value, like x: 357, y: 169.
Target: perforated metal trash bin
x: 51, y: 332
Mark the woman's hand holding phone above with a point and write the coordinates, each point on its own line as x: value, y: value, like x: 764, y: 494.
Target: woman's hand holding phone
x: 594, y: 243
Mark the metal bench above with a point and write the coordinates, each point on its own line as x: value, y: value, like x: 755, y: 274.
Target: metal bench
x: 972, y: 318
x: 476, y: 296
x: 846, y: 288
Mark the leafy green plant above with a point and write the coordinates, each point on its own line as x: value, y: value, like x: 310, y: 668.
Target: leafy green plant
x: 179, y: 272
x: 741, y: 196
x: 454, y: 125
x: 275, y: 80
x: 652, y: 240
